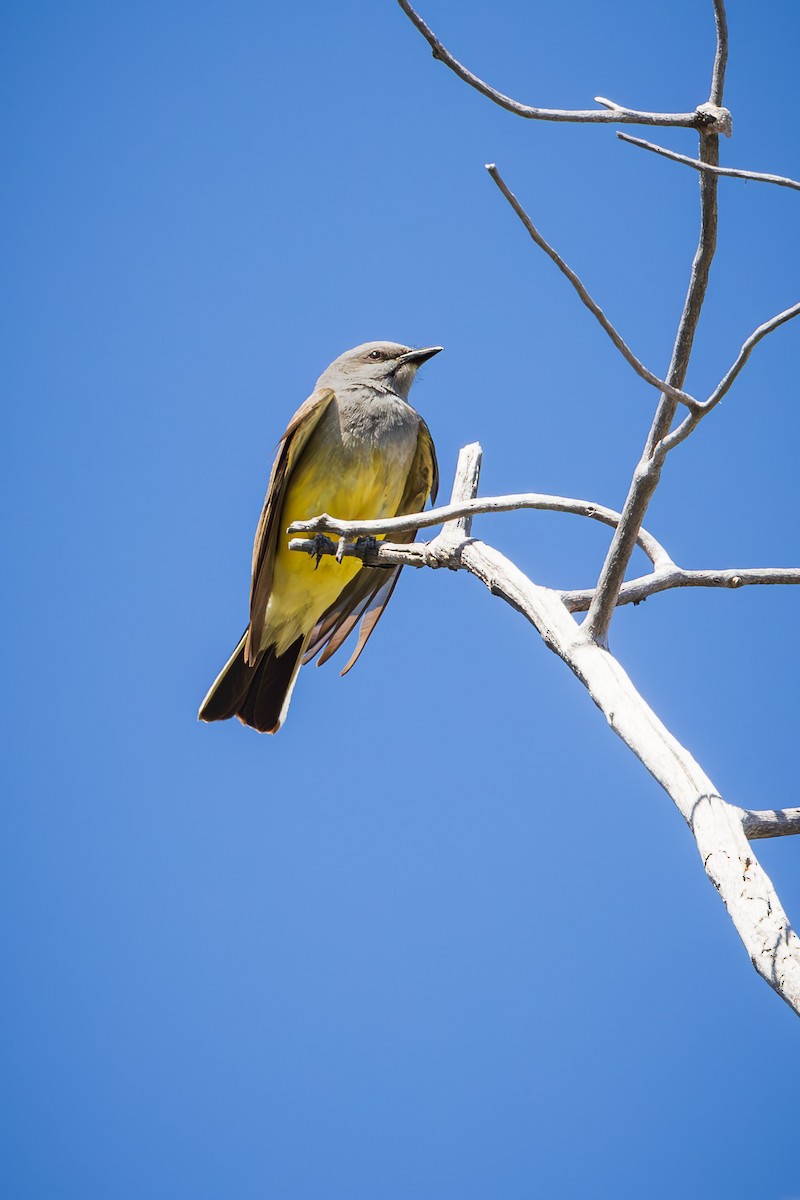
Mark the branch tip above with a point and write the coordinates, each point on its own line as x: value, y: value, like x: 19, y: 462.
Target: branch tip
x: 698, y: 165
x: 676, y: 395
x: 629, y: 116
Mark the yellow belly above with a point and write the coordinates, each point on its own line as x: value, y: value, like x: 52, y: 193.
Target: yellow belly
x: 371, y: 487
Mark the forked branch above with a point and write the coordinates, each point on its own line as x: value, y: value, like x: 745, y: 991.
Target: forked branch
x: 721, y: 830
x: 472, y: 508
x: 648, y: 472
x: 709, y: 117
x: 697, y: 408
x: 664, y: 577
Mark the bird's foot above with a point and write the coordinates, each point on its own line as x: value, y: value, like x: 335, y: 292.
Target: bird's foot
x: 362, y: 546
x: 321, y: 545
x: 368, y: 547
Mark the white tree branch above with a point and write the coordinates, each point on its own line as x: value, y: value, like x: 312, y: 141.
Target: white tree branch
x: 471, y: 508
x: 666, y: 578
x: 708, y: 116
x: 721, y: 830
x: 728, y: 860
x: 697, y: 165
x: 718, y: 828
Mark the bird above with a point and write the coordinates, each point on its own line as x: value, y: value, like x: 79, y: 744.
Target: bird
x: 356, y: 449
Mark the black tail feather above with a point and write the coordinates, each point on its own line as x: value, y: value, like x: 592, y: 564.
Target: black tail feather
x: 273, y: 677
x: 255, y: 694
x: 229, y: 688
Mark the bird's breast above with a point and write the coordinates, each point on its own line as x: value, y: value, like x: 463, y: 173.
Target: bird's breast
x: 355, y: 466
x: 358, y: 459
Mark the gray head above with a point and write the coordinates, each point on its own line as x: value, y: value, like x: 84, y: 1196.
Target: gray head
x: 385, y: 366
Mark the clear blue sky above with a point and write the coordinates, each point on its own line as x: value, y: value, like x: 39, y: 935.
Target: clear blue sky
x: 442, y: 936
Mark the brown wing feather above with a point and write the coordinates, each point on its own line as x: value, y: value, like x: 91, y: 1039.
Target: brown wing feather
x: 370, y: 591
x: 298, y: 431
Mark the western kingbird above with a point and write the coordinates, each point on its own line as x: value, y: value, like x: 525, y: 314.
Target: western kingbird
x: 358, y: 450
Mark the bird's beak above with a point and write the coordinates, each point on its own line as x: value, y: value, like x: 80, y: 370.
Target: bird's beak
x: 418, y: 357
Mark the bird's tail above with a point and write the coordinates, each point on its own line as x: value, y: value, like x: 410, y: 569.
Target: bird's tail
x: 259, y: 694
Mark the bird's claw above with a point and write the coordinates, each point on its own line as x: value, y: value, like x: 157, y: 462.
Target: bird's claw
x: 367, y: 548
x: 367, y: 545
x: 362, y: 547
x: 322, y: 545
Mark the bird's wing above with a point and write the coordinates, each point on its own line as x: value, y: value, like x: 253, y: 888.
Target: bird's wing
x: 299, y: 430
x: 367, y: 595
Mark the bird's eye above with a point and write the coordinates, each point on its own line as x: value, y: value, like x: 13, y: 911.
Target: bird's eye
x: 376, y: 354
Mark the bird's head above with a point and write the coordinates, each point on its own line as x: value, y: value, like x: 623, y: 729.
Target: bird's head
x: 380, y: 364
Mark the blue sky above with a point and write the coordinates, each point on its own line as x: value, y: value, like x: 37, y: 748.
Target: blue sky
x: 442, y: 936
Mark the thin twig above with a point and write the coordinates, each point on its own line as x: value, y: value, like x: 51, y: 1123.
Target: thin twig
x: 697, y: 165
x: 666, y: 578
x: 616, y: 114
x: 770, y: 822
x: 744, y: 353
x: 682, y: 431
x: 676, y: 394
x: 471, y: 508
x: 721, y: 55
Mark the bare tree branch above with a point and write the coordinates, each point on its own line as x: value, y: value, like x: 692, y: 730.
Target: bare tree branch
x: 691, y: 422
x: 718, y: 827
x: 464, y: 490
x: 666, y: 578
x: 472, y: 508
x: 773, y: 323
x: 721, y: 830
x: 710, y: 120
x: 771, y: 822
x: 721, y: 55
x: 732, y: 172
x: 648, y: 471
x: 370, y: 553
x: 704, y: 117
x: 728, y: 860
x: 594, y: 308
